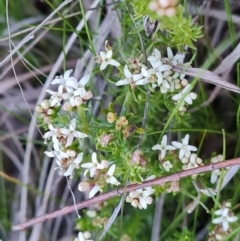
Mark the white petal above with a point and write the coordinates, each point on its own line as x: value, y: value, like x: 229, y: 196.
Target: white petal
x: 87, y: 165
x: 127, y: 72
x: 103, y: 65
x: 142, y: 81
x: 58, y: 81
x: 191, y: 148
x: 69, y: 140
x: 84, y: 80
x: 181, y: 153
x: 79, y: 134
x: 143, y: 202
x: 49, y: 153
x: 111, y: 170
x: 185, y: 140
x: 122, y: 82
x: 160, y: 77
x: 72, y: 124
x: 137, y: 77
x: 113, y: 62
x: 169, y: 147
x: 109, y: 54
x: 79, y: 158
x: 67, y: 74
x: 163, y: 153
x: 169, y: 53
x: 113, y: 180
x: 177, y: 96
x: 164, y: 141
x: 177, y: 144
x: 94, y: 157
x: 145, y: 72
x: 217, y: 220
x: 188, y: 100
x: 164, y: 67
x: 103, y: 55
x: 95, y: 189
x: 157, y: 147
x: 232, y: 219
x: 225, y: 225
x: 69, y: 171
x: 92, y: 171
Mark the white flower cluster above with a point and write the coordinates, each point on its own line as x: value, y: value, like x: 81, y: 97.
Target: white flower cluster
x: 100, y: 175
x: 141, y: 197
x: 70, y: 90
x: 188, y: 159
x: 225, y: 217
x: 160, y: 75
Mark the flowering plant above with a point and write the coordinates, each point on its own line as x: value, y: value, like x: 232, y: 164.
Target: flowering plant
x: 145, y: 131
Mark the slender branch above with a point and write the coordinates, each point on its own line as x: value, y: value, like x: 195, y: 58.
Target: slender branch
x: 157, y: 181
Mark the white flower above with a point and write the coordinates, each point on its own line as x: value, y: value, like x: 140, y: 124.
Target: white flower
x: 131, y: 78
x: 184, y: 146
x: 72, y: 132
x: 151, y: 76
x: 83, y: 236
x: 167, y: 165
x: 107, y: 60
x: 65, y: 82
x: 226, y: 217
x: 110, y: 178
x: 187, y: 98
x: 54, y: 133
x: 73, y: 165
x: 141, y: 197
x: 163, y: 147
x: 175, y: 60
x: 55, y: 99
x: 94, y: 165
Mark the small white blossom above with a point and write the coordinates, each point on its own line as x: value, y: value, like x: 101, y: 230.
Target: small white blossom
x: 110, y: 178
x: 163, y: 147
x: 150, y: 76
x: 74, y: 165
x: 175, y: 60
x: 187, y: 98
x: 65, y: 82
x: 141, y: 197
x: 54, y: 133
x: 71, y: 132
x: 167, y: 165
x: 94, y: 165
x: 184, y: 146
x: 130, y: 78
x: 226, y: 217
x: 107, y: 60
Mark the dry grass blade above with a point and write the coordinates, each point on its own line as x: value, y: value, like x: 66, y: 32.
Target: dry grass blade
x: 208, y: 77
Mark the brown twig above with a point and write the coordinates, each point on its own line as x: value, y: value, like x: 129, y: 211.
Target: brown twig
x: 157, y: 181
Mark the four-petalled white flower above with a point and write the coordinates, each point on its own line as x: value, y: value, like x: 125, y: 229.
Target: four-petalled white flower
x: 130, y: 78
x: 71, y: 132
x: 226, y: 217
x: 184, y: 147
x: 107, y: 60
x: 94, y: 165
x: 163, y: 147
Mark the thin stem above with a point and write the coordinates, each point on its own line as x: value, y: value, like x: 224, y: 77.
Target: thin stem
x: 157, y: 181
